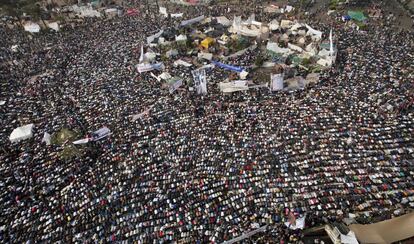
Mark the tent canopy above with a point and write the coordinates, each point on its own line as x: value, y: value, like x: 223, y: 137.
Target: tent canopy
x: 22, y: 133
x: 357, y: 15
x: 207, y: 42
x: 387, y: 231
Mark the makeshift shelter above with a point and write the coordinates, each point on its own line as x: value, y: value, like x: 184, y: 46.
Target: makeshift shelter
x: 183, y: 63
x: 295, y: 83
x: 54, y: 26
x: 174, y: 83
x: 274, y: 47
x: 47, y: 138
x: 22, y: 133
x: 274, y: 25
x: 207, y: 42
x: 223, y: 20
x: 181, y: 38
x: 31, y: 27
x: 111, y: 12
x: 388, y: 231
x: 357, y: 15
x: 207, y: 56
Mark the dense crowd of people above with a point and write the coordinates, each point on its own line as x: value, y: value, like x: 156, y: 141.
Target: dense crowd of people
x: 198, y: 169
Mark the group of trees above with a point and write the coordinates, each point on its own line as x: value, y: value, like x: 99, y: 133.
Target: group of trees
x: 16, y: 8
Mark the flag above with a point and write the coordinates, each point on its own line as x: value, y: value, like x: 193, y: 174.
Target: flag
x: 142, y: 57
x: 132, y: 11
x: 331, y: 51
x: 292, y: 218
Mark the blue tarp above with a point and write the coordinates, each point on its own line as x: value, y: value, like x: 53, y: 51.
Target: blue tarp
x: 357, y: 15
x: 226, y: 66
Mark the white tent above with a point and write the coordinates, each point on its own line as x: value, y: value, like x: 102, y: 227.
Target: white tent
x: 295, y: 27
x: 181, y: 62
x: 150, y: 56
x: 274, y: 25
x: 299, y: 224
x: 243, y: 75
x: 47, y: 138
x: 163, y: 11
x: 286, y: 23
x: 54, y: 26
x: 181, y: 38
x: 316, y: 33
x: 325, y: 61
x: 223, y: 20
x: 273, y: 46
x: 295, y: 48
x: 207, y: 56
x: 289, y: 9
x: 22, y: 133
x: 85, y: 11
x: 164, y: 76
x: 14, y: 48
x: 179, y: 15
x: 32, y: 27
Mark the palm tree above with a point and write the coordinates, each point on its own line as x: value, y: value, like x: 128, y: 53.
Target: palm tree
x: 34, y: 10
x: 13, y: 9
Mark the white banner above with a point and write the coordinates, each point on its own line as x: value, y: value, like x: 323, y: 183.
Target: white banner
x: 192, y: 21
x: 155, y: 36
x: 101, y: 133
x: 276, y: 82
x: 175, y: 86
x: 163, y: 11
x: 200, y: 81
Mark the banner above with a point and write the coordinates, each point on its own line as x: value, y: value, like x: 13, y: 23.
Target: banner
x: 81, y: 141
x: 200, y: 81
x: 155, y: 36
x: 101, y: 133
x: 229, y: 67
x: 47, y: 138
x: 132, y: 11
x: 175, y: 85
x: 276, y: 82
x: 192, y: 21
x: 148, y: 67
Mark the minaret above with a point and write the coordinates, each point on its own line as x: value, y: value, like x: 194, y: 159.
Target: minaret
x: 331, y: 50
